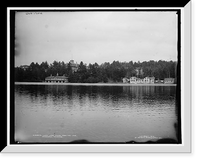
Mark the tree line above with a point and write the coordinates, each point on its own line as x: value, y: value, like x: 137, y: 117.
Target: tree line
x: 94, y: 73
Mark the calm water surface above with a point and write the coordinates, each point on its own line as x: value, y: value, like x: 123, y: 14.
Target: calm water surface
x: 65, y: 113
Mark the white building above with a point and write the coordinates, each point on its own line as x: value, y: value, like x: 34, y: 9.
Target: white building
x: 139, y: 81
x: 146, y: 80
x: 133, y: 80
x: 125, y: 80
x: 150, y: 80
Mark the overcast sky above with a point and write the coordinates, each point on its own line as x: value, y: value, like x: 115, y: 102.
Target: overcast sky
x: 95, y: 37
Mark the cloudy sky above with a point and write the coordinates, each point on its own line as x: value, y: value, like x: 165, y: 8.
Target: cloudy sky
x: 95, y: 36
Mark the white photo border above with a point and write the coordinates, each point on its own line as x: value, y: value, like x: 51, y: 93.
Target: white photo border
x: 186, y: 107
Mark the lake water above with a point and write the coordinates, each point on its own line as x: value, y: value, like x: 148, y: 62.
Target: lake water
x: 66, y: 113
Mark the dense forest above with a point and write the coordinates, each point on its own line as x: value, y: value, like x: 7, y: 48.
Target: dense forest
x: 94, y: 73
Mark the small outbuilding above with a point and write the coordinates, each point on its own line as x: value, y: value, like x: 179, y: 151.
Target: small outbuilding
x: 169, y: 80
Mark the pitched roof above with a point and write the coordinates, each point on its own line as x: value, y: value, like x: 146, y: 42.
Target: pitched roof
x: 169, y: 79
x: 56, y: 77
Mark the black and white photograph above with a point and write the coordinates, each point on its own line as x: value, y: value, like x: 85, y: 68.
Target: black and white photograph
x: 86, y: 79
x: 97, y: 77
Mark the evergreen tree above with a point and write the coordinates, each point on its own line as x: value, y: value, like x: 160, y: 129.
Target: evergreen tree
x: 94, y: 73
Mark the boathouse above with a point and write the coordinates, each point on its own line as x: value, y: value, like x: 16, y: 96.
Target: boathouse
x: 56, y: 79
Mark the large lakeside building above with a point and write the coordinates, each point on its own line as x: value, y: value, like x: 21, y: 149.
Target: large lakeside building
x: 56, y: 79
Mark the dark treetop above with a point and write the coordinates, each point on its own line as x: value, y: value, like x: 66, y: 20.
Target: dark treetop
x: 94, y: 73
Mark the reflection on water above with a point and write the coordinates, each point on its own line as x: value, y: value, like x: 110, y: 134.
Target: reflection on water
x: 66, y: 113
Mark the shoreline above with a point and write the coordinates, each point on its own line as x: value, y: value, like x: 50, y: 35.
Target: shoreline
x: 92, y: 84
